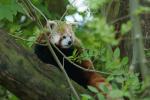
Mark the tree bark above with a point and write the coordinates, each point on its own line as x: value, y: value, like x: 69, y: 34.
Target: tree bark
x: 23, y: 74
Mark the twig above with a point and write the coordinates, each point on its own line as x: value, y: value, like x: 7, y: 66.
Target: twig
x: 18, y: 37
x: 28, y: 10
x: 61, y: 67
x: 37, y: 17
x: 37, y: 10
x: 84, y: 69
x: 63, y: 61
x: 119, y: 19
x: 65, y: 12
x: 109, y: 7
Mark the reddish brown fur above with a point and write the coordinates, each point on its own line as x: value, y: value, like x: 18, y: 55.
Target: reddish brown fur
x: 94, y: 79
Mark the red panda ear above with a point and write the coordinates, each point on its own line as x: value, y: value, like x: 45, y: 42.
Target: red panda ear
x: 51, y: 24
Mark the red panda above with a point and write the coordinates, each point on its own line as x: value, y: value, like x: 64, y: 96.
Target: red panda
x: 65, y: 40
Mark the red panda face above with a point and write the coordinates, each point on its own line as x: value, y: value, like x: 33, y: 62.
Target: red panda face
x: 62, y: 35
x: 66, y: 41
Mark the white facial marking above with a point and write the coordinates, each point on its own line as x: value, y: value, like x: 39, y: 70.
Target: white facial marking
x: 66, y: 42
x: 55, y: 39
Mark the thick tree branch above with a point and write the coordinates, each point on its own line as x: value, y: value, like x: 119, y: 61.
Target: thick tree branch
x: 28, y: 78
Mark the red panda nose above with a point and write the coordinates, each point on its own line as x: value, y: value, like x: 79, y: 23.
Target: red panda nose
x: 70, y: 42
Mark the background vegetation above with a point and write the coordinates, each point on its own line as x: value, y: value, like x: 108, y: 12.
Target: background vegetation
x: 110, y: 34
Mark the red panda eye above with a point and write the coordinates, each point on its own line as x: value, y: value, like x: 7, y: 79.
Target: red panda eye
x: 64, y: 37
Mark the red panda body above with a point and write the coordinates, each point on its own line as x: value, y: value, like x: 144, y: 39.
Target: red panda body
x: 73, y: 72
x: 66, y: 42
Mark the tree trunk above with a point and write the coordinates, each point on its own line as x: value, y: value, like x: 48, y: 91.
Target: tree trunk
x: 28, y: 78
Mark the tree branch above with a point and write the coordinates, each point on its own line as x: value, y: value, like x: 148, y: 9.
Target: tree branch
x: 138, y: 60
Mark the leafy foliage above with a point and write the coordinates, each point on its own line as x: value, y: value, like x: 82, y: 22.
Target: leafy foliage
x: 6, y: 95
x: 9, y: 8
x: 143, y: 9
x: 98, y: 37
x: 94, y: 4
x: 125, y: 28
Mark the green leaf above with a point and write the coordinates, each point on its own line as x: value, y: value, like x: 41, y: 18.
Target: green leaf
x: 71, y: 9
x: 109, y: 54
x: 31, y: 41
x: 142, y: 9
x: 95, y: 4
x: 100, y: 96
x: 120, y: 79
x: 124, y: 61
x: 73, y: 98
x: 126, y: 27
x: 110, y: 78
x: 9, y: 9
x: 93, y: 89
x: 32, y: 38
x: 13, y: 97
x: 103, y: 88
x: 116, y: 93
x: 5, y: 2
x: 5, y: 12
x: 114, y: 86
x: 86, y: 97
x: 74, y: 53
x: 116, y: 53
